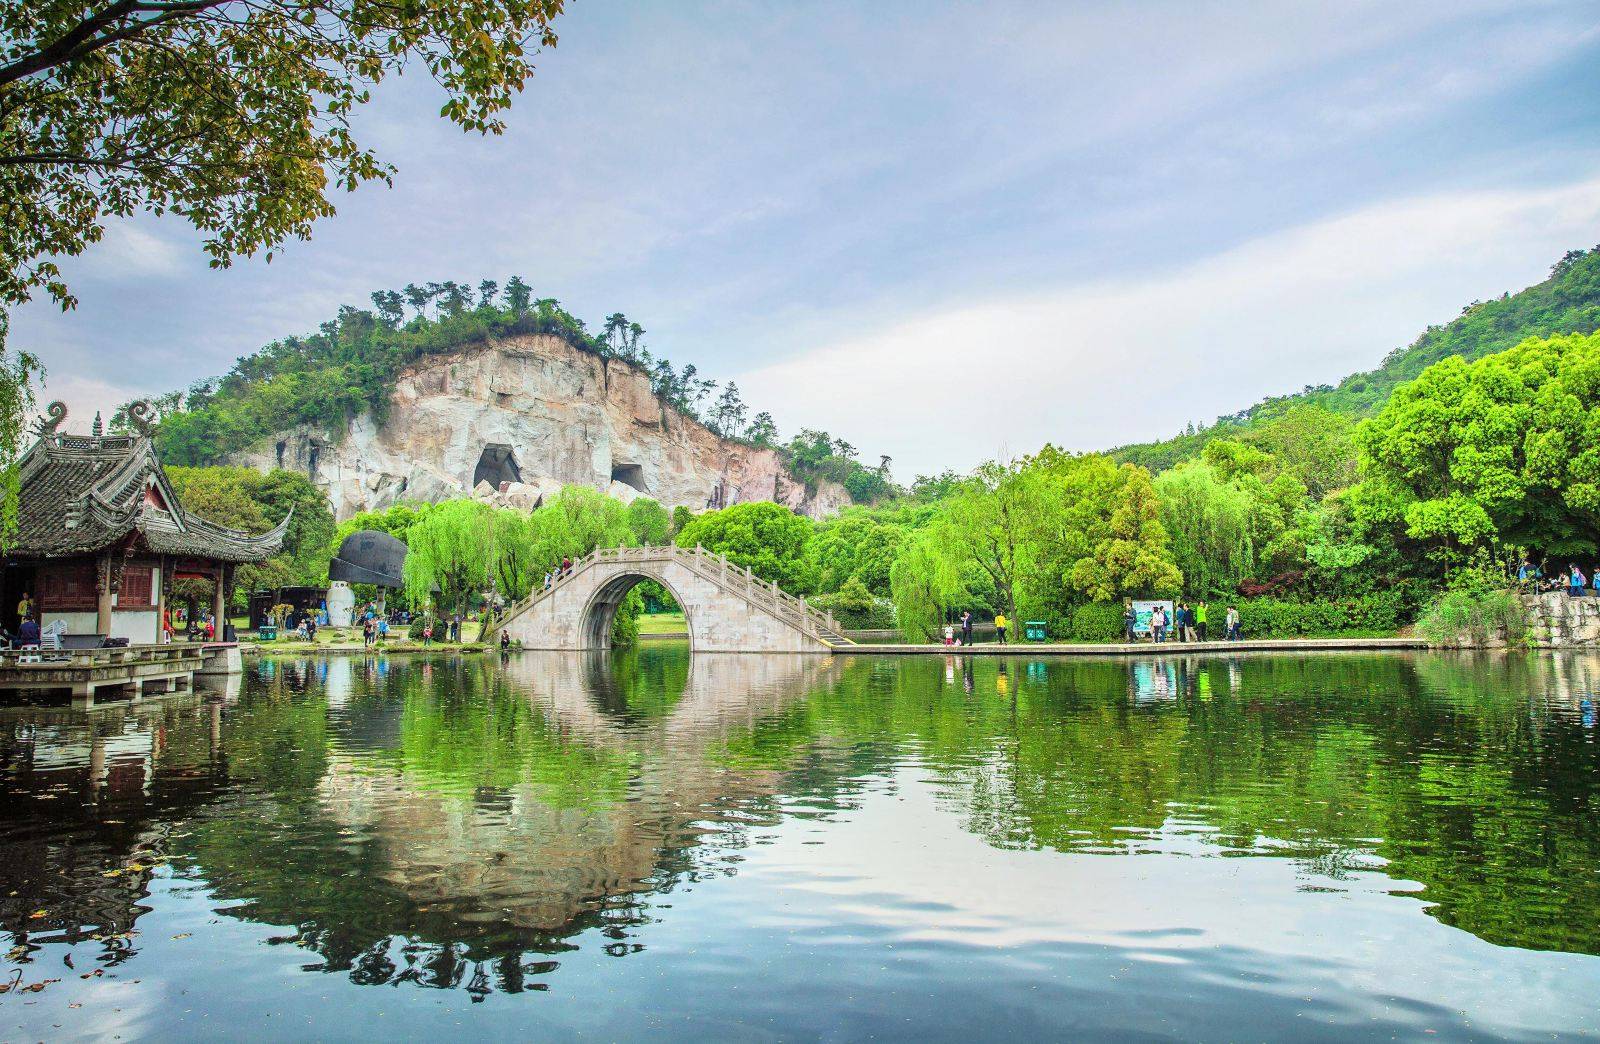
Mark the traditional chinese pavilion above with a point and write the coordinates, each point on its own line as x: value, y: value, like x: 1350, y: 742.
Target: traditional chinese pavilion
x: 101, y: 535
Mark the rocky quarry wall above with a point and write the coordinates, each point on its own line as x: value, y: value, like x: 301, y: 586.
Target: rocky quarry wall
x: 513, y: 421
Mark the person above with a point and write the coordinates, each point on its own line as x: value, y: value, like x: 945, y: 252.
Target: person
x: 211, y: 627
x: 166, y: 626
x: 1575, y: 581
x: 505, y: 640
x: 382, y: 630
x: 966, y: 627
x: 1130, y: 622
x: 1158, y: 624
x: 28, y: 633
x: 949, y: 634
x: 1524, y: 573
x: 1185, y: 623
x: 1000, y: 628
x: 427, y: 633
x: 25, y: 607
x: 1200, y: 620
x: 455, y: 628
x: 566, y: 566
x: 368, y: 632
x: 1594, y: 580
x: 1233, y: 624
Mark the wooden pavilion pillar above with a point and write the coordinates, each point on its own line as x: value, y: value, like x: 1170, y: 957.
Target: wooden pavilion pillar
x: 165, y: 581
x: 103, y: 593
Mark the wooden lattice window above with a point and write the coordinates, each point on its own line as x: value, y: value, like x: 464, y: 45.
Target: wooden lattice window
x: 68, y: 587
x: 138, y: 588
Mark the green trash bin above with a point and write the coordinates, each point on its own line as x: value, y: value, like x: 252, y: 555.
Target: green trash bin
x: 1035, y: 631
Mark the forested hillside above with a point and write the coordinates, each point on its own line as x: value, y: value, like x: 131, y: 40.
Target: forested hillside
x: 1567, y: 302
x: 349, y: 366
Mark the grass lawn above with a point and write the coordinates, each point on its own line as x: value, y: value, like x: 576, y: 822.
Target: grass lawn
x: 663, y: 623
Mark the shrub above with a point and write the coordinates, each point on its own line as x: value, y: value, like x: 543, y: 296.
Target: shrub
x: 856, y: 609
x: 1381, y: 612
x: 1472, y: 617
x: 1095, y: 622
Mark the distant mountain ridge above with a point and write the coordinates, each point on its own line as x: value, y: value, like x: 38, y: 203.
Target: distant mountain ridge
x: 1567, y: 302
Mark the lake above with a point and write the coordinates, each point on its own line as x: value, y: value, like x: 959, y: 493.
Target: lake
x: 783, y: 847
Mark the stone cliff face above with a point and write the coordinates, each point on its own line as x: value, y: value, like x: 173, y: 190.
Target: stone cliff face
x: 513, y: 421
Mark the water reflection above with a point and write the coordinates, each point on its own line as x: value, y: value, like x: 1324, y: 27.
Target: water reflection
x: 463, y: 823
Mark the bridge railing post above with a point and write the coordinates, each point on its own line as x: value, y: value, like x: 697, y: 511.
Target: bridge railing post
x: 723, y: 558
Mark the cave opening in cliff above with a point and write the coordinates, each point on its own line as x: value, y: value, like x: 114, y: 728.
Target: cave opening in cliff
x: 496, y: 464
x: 629, y: 475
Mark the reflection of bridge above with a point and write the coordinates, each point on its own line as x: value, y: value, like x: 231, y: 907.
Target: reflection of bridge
x: 727, y: 608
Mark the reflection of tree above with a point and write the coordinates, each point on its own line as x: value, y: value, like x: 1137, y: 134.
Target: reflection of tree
x: 465, y: 821
x: 1472, y: 780
x: 452, y: 823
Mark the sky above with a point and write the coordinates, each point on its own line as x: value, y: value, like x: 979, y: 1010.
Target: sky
x: 946, y: 232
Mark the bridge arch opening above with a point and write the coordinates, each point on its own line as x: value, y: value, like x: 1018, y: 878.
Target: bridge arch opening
x: 601, y: 612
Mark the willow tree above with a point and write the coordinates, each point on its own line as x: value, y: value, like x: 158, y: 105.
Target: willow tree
x: 925, y: 583
x: 1208, y: 526
x: 449, y: 551
x: 575, y: 522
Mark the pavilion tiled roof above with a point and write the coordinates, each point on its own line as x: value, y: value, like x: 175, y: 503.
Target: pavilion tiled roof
x: 79, y: 494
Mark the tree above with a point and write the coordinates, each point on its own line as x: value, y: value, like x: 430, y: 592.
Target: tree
x: 17, y: 370
x: 445, y: 552
x: 390, y: 307
x: 860, y: 545
x: 1208, y: 524
x: 985, y: 521
x: 650, y: 522
x: 925, y: 583
x: 236, y: 115
x: 518, y: 295
x: 766, y: 538
x: 576, y: 521
x: 513, y: 564
x: 1132, y: 558
x: 246, y: 500
x: 762, y: 431
x: 727, y: 415
x: 1506, y: 448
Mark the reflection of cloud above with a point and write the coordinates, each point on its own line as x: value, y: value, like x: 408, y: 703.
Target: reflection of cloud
x: 904, y: 862
x: 1089, y: 365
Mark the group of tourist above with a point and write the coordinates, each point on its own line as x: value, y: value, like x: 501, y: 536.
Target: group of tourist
x: 1186, y: 623
x: 374, y: 630
x: 965, y: 622
x: 1532, y: 577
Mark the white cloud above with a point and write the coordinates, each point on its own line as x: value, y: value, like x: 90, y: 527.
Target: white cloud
x: 1091, y: 366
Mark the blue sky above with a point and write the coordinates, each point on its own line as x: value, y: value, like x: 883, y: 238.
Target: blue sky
x: 943, y: 231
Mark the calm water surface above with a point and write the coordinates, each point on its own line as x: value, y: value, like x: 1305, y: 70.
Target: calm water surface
x: 750, y: 847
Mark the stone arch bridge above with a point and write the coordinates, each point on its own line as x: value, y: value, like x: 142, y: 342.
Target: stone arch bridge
x: 727, y: 608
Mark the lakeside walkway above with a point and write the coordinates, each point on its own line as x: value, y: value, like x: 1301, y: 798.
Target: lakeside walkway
x: 1136, y: 648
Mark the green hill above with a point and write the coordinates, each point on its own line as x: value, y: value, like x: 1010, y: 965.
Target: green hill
x: 1565, y: 303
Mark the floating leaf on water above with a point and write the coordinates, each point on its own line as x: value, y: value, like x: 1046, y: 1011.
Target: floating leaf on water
x: 183, y: 935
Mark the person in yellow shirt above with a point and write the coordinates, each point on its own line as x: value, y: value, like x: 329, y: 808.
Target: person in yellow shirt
x: 1000, y: 627
x: 25, y: 607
